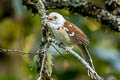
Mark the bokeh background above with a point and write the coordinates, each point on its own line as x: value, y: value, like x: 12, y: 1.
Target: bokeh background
x: 21, y: 30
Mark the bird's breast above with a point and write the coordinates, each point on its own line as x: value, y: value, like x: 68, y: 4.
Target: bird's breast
x: 62, y: 35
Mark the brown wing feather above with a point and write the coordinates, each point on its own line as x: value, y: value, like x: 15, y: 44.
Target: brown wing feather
x: 79, y: 36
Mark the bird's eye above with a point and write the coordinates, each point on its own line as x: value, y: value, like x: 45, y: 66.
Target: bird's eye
x: 55, y: 17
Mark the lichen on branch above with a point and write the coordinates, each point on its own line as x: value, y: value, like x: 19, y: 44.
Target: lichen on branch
x: 113, y: 6
x: 87, y: 9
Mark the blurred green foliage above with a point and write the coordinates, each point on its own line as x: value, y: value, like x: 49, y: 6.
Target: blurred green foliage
x: 19, y: 29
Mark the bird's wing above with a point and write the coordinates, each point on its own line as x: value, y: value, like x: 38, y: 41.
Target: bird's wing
x: 75, y: 33
x: 82, y: 40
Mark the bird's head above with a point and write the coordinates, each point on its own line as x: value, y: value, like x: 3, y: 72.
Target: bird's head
x: 56, y: 18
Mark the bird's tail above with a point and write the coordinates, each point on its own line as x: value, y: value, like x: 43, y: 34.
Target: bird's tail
x: 86, y: 55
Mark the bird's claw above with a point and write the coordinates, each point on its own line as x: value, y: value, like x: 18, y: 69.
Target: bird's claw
x: 91, y: 75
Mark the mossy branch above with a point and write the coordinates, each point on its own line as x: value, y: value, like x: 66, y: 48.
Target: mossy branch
x: 85, y: 9
x: 113, y: 6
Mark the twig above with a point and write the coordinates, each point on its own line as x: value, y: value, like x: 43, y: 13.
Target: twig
x: 16, y: 51
x: 42, y: 61
x: 79, y: 58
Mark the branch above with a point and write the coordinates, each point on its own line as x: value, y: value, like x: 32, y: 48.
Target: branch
x: 44, y: 43
x: 42, y: 57
x: 87, y: 9
x: 16, y: 51
x: 113, y: 5
x: 84, y: 8
x: 78, y: 57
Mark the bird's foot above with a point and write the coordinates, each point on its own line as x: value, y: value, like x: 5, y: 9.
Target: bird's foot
x: 91, y: 75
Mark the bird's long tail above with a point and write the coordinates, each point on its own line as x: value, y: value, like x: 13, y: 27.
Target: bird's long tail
x: 86, y: 55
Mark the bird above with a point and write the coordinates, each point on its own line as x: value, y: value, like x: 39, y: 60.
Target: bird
x: 69, y: 34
